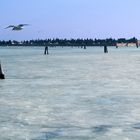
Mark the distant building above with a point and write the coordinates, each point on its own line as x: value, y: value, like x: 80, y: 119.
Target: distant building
x: 132, y: 45
x: 138, y: 42
x: 121, y: 44
x: 126, y: 44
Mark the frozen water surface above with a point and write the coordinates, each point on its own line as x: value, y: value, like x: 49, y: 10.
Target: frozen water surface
x: 70, y: 94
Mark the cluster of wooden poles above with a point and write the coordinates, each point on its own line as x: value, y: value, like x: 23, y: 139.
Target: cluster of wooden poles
x: 46, y: 51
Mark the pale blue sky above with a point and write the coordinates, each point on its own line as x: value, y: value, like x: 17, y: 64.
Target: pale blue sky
x: 70, y: 18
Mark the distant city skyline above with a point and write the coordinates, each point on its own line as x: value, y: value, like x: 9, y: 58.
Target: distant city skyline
x: 70, y: 19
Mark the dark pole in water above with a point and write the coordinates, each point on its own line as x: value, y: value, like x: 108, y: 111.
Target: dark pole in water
x: 105, y: 49
x: 46, y: 50
x: 84, y: 47
x: 137, y: 44
x: 1, y: 74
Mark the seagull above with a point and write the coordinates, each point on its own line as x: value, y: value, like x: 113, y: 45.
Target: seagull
x: 16, y: 27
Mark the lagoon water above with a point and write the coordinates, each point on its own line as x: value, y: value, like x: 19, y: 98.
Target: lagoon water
x: 70, y: 94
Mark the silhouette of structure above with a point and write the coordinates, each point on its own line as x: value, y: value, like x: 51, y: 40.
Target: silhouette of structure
x: 105, y: 49
x: 46, y: 50
x: 1, y: 74
x: 137, y: 44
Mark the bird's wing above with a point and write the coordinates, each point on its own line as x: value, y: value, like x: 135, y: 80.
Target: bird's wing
x: 10, y: 26
x: 21, y: 25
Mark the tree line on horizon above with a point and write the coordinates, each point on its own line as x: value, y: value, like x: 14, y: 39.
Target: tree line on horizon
x: 68, y: 42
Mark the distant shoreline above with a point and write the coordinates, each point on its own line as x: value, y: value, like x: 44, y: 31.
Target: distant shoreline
x: 73, y: 42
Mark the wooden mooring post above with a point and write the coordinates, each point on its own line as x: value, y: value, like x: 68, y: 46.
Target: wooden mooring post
x: 46, y: 50
x: 1, y: 73
x: 105, y: 49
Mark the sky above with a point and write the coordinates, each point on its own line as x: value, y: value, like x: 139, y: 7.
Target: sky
x: 70, y: 19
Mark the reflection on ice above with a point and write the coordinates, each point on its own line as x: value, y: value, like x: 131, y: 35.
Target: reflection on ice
x: 136, y: 126
x: 101, y: 128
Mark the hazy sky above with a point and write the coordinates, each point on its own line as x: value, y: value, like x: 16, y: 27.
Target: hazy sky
x: 70, y: 18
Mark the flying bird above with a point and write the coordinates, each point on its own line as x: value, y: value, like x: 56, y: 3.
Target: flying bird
x: 17, y: 27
